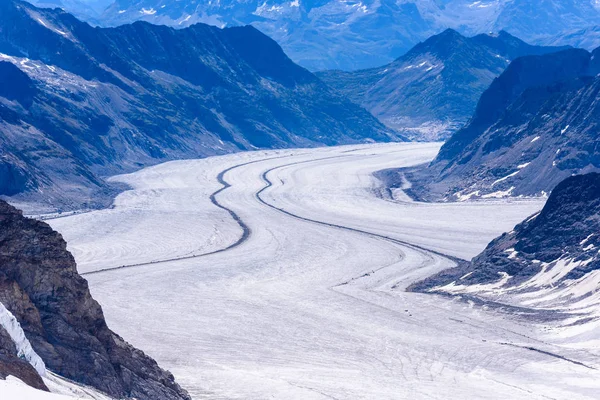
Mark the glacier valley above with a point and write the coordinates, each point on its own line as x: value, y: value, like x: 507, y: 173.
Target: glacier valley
x: 282, y: 274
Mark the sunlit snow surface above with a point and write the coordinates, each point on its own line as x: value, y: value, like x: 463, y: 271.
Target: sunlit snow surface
x: 311, y: 307
x: 13, y: 388
x: 60, y: 389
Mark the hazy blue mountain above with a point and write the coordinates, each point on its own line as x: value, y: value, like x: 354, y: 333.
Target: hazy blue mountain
x: 536, y: 125
x: 86, y: 102
x: 587, y: 38
x: 538, y: 19
x: 433, y: 89
x: 355, y: 34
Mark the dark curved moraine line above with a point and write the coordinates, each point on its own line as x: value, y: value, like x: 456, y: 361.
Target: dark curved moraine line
x: 269, y: 184
x: 426, y: 252
x: 246, y: 231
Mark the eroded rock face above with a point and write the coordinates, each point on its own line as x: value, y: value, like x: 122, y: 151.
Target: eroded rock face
x: 548, y: 262
x: 40, y: 286
x: 536, y: 125
x: 12, y: 365
x: 567, y: 227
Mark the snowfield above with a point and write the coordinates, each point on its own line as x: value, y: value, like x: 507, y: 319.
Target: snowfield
x: 60, y: 389
x: 281, y: 275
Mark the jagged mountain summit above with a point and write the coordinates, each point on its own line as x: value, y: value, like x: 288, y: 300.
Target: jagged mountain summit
x: 536, y: 125
x: 433, y: 89
x: 352, y: 35
x: 79, y: 103
x: 549, y: 262
x: 40, y: 287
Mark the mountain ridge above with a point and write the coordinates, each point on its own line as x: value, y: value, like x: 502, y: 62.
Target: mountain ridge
x: 436, y: 84
x: 111, y: 100
x: 533, y: 127
x: 547, y: 263
x: 352, y: 35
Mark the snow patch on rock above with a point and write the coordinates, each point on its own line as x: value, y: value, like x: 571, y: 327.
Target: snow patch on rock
x: 24, y: 349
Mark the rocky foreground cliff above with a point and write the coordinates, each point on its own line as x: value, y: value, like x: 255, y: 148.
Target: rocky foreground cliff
x: 40, y: 286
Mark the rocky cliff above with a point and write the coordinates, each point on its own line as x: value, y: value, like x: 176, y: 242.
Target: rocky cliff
x: 533, y: 127
x: 40, y: 286
x: 550, y: 261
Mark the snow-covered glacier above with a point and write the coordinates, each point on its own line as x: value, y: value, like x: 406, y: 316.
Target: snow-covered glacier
x: 282, y: 274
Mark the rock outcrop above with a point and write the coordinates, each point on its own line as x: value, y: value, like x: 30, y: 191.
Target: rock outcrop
x: 40, y: 286
x: 536, y: 125
x: 13, y: 365
x: 550, y: 261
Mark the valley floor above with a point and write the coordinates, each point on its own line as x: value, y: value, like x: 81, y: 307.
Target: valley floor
x: 281, y: 275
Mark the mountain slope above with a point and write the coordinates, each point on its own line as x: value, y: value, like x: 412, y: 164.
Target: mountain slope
x: 548, y: 262
x: 537, y: 19
x: 40, y: 286
x: 316, y: 33
x: 436, y: 85
x: 95, y: 102
x: 587, y: 38
x: 350, y: 35
x: 535, y: 126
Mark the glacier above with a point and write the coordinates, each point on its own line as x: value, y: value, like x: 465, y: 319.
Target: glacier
x: 283, y: 274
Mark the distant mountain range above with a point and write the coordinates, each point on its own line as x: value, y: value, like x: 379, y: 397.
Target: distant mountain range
x: 433, y: 89
x: 550, y: 262
x: 353, y: 34
x: 78, y: 103
x: 536, y: 125
x: 587, y: 38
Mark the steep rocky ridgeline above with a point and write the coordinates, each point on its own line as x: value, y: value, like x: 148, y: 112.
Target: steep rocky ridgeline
x: 551, y: 261
x: 40, y: 286
x: 536, y: 125
x: 78, y: 103
x: 351, y: 35
x: 433, y: 89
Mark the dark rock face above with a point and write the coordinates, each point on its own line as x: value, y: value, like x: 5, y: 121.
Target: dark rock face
x: 14, y: 177
x: 432, y: 90
x: 535, y: 126
x: 12, y: 365
x: 102, y: 101
x: 40, y: 286
x: 566, y: 228
x: 15, y: 84
x: 525, y: 73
